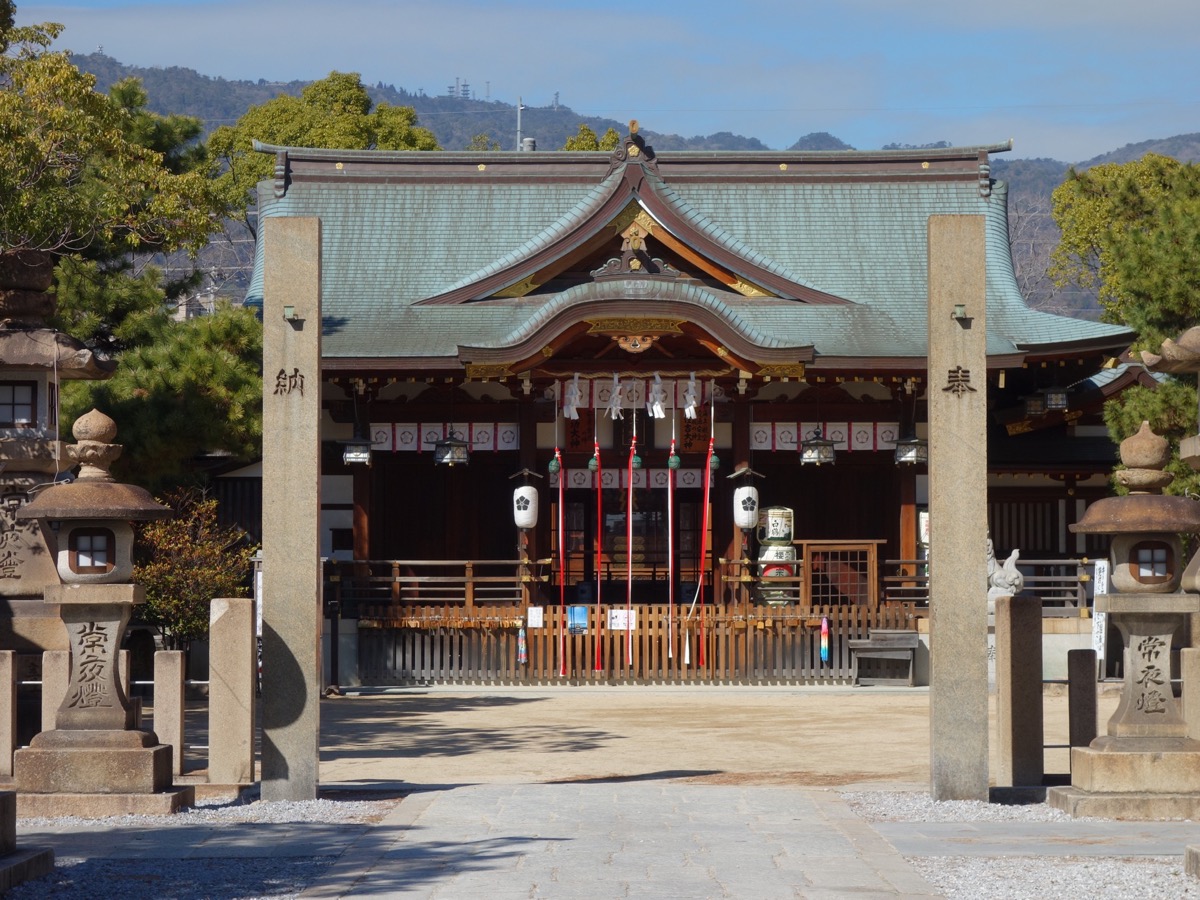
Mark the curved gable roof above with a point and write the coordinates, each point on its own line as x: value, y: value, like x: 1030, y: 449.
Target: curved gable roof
x: 630, y: 184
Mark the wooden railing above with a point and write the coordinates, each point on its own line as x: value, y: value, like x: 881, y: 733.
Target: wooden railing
x: 1062, y: 584
x: 391, y: 583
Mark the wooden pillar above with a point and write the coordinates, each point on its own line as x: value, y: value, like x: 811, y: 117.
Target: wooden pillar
x: 532, y: 538
x: 908, y: 513
x: 362, y: 512
x: 725, y: 534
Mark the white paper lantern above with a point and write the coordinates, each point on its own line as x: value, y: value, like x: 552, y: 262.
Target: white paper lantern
x: 525, y: 506
x: 745, y: 507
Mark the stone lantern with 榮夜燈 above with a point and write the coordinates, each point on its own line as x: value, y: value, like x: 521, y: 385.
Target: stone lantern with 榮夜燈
x: 93, y: 750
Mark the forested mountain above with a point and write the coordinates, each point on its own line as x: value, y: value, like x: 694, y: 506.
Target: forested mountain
x: 456, y: 120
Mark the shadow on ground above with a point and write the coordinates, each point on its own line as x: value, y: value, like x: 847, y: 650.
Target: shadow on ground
x: 422, y: 726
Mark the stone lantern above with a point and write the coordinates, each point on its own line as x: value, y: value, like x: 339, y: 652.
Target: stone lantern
x: 35, y: 360
x: 1146, y: 766
x: 93, y: 749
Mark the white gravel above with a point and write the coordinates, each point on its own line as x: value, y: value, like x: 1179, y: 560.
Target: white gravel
x: 1061, y: 878
x: 1024, y: 877
x: 196, y: 878
x: 918, y: 806
x: 249, y: 810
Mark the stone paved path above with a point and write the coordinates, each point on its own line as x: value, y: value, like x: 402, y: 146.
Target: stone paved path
x: 624, y: 839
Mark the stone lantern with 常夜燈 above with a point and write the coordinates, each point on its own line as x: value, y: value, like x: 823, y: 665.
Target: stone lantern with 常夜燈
x: 94, y: 748
x: 1147, y: 766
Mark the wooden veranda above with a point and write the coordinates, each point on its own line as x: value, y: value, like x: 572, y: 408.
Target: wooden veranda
x: 501, y: 622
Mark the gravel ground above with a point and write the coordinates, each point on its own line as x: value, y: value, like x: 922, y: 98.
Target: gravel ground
x: 1023, y: 877
x: 199, y: 878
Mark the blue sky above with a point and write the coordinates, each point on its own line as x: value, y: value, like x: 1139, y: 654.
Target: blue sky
x: 1063, y: 78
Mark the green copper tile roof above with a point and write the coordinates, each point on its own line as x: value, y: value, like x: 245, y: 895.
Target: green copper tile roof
x: 389, y: 242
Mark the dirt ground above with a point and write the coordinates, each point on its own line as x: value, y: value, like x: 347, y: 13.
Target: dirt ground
x: 811, y: 736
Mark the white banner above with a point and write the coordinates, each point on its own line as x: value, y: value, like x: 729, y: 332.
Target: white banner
x: 1099, y: 619
x: 862, y: 436
x: 642, y: 478
x: 400, y: 437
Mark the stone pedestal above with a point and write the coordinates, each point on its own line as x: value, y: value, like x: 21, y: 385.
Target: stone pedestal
x: 17, y: 864
x: 1146, y: 766
x: 94, y: 763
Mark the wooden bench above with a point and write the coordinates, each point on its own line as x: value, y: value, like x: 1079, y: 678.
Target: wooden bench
x: 885, y: 644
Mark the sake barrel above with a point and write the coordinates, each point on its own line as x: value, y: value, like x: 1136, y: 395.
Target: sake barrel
x: 775, y: 525
x: 776, y: 561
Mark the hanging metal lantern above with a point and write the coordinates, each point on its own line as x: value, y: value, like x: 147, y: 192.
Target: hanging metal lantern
x: 525, y: 506
x: 911, y: 450
x: 452, y: 451
x: 745, y: 507
x: 815, y: 449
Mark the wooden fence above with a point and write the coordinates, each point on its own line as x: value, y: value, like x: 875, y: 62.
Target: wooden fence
x: 758, y: 645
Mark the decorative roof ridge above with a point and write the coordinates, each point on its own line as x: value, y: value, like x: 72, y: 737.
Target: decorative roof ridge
x: 324, y: 153
x: 578, y: 298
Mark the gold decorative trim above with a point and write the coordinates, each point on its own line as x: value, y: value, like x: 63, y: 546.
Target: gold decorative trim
x: 746, y: 289
x: 635, y: 343
x: 548, y: 351
x: 633, y: 214
x: 631, y: 324
x: 488, y: 370
x: 646, y: 220
x: 795, y: 370
x: 520, y: 289
x: 625, y: 217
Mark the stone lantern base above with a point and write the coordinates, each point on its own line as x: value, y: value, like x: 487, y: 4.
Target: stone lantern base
x: 96, y: 773
x: 93, y: 763
x: 1146, y: 767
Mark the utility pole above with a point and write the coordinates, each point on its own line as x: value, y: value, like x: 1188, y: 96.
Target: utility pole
x: 520, y: 106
